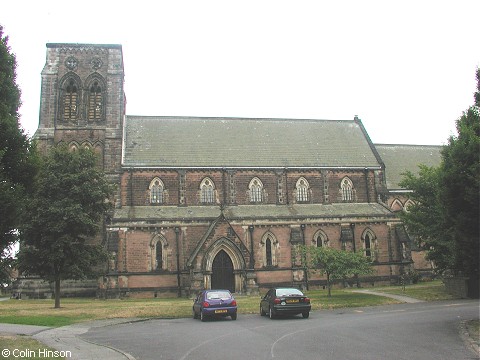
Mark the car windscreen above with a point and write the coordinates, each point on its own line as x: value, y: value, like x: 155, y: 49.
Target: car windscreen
x: 218, y: 295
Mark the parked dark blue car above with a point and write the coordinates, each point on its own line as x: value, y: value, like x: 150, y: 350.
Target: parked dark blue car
x: 211, y: 303
x: 285, y: 301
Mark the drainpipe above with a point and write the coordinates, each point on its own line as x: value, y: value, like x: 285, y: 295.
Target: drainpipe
x: 252, y: 257
x: 177, y: 234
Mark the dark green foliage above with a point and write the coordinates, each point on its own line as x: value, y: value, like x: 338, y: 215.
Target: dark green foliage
x: 461, y: 187
x: 445, y: 217
x: 427, y: 220
x: 63, y: 216
x: 17, y: 157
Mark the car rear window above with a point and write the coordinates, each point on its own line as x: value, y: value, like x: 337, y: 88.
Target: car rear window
x: 218, y: 295
x: 288, y: 292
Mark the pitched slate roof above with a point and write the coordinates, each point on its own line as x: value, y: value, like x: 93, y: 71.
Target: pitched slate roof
x: 400, y: 158
x: 245, y: 143
x: 254, y: 212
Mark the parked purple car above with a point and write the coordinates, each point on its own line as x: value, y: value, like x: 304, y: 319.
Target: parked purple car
x: 210, y: 303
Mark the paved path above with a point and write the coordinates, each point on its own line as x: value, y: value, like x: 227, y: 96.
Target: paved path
x: 402, y: 298
x: 67, y: 338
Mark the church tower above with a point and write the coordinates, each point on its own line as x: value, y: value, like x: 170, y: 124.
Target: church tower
x: 82, y: 100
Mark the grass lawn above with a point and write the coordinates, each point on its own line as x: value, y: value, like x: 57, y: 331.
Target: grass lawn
x: 427, y: 291
x: 75, y: 310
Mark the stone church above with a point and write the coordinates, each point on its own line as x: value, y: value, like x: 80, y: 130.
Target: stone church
x: 224, y: 202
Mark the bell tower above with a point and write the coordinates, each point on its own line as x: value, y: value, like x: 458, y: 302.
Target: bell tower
x: 82, y: 100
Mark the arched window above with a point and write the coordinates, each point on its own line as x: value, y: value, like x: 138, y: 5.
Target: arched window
x: 320, y: 239
x: 159, y: 257
x: 95, y: 102
x: 368, y: 246
x: 369, y: 241
x: 207, y: 191
x: 346, y: 187
x: 74, y: 146
x: 408, y: 204
x: 270, y: 248
x: 396, y: 205
x: 255, y: 189
x: 70, y: 100
x: 302, y: 190
x: 268, y: 252
x: 156, y: 189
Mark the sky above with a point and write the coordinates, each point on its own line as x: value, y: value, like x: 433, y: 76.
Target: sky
x: 406, y: 68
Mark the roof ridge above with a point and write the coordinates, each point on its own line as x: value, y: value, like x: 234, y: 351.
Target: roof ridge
x: 173, y: 117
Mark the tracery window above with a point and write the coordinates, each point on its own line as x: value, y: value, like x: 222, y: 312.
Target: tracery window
x: 268, y: 252
x: 346, y: 187
x: 321, y: 239
x: 302, y: 190
x: 156, y: 189
x: 270, y: 245
x: 159, y: 254
x: 70, y: 100
x: 95, y: 102
x: 370, y: 245
x: 207, y: 191
x: 255, y: 189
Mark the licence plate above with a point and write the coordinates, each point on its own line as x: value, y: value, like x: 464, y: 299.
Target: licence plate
x: 292, y: 301
x: 220, y: 311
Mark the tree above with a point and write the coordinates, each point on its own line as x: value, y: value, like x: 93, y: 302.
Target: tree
x: 334, y: 263
x: 460, y: 187
x: 17, y: 158
x: 427, y: 219
x: 445, y: 215
x: 63, y: 217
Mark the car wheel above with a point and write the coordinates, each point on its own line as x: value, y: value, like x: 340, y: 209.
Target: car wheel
x: 195, y: 316
x: 305, y: 314
x: 262, y: 313
x: 202, y: 317
x: 234, y: 316
x: 271, y: 314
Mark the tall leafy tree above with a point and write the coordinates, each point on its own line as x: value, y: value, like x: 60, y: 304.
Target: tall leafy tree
x: 63, y: 218
x: 427, y: 219
x: 445, y: 217
x: 17, y: 157
x: 335, y: 264
x: 460, y: 187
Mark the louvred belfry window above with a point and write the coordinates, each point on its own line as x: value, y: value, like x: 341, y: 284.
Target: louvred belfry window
x: 95, y: 102
x: 70, y: 101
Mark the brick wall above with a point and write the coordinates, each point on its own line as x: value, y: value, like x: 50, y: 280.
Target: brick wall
x: 232, y: 187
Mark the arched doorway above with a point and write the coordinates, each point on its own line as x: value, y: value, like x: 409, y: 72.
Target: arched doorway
x: 222, y: 272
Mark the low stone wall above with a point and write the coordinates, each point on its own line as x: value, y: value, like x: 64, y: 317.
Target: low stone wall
x: 36, y: 288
